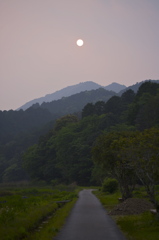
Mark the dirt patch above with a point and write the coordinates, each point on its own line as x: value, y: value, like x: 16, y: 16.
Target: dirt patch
x: 132, y: 206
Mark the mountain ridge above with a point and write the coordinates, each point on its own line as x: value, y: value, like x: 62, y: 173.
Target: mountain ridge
x: 82, y: 87
x: 71, y: 90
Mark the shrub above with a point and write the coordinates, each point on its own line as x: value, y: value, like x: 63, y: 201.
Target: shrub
x: 110, y: 185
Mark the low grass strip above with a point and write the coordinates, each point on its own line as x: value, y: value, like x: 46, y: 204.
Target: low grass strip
x: 108, y: 200
x: 139, y: 227
x: 51, y: 227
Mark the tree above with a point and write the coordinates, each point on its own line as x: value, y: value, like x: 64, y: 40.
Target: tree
x: 148, y: 114
x: 40, y: 159
x: 145, y: 159
x: 73, y: 155
x: 113, y: 105
x: 64, y: 121
x: 106, y: 153
x: 138, y: 153
x: 128, y: 97
x: 148, y: 87
x: 88, y: 110
x: 99, y: 108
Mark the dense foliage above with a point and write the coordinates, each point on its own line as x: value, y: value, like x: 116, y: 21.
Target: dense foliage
x: 112, y: 129
x: 21, y: 129
x: 110, y: 185
x: 23, y: 211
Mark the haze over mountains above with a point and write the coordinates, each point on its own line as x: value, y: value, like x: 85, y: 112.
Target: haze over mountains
x: 71, y: 90
x: 82, y: 87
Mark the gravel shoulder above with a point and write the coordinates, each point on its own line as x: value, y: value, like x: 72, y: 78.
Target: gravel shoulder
x: 132, y: 206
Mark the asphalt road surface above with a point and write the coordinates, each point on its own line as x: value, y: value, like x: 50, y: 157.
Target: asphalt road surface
x: 88, y: 220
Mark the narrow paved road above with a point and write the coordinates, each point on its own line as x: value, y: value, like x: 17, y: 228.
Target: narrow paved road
x: 89, y: 221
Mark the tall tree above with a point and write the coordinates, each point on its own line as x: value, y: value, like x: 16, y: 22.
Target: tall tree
x: 106, y: 153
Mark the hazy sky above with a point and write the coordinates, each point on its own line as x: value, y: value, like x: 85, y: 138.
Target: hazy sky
x: 39, y: 55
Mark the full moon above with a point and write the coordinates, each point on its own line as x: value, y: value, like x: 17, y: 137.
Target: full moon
x: 80, y: 42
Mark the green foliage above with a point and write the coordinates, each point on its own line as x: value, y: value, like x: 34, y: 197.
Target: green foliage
x: 109, y: 201
x: 113, y: 105
x: 144, y: 158
x: 98, y: 175
x: 148, y: 87
x: 21, y: 215
x: 106, y: 153
x: 88, y: 110
x: 139, y: 227
x: 64, y: 153
x: 50, y: 230
x: 143, y: 112
x: 130, y: 156
x: 64, y: 121
x: 110, y: 185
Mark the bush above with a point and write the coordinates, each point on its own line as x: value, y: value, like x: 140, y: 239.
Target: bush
x: 110, y: 185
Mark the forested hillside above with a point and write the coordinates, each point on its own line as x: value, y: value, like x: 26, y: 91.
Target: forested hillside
x: 64, y: 153
x: 21, y: 129
x: 76, y: 102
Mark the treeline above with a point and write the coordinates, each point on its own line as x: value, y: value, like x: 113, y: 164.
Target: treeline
x: 76, y: 102
x: 18, y: 131
x: 65, y: 154
x: 15, y: 122
x: 112, y: 139
x: 21, y: 129
x: 130, y: 158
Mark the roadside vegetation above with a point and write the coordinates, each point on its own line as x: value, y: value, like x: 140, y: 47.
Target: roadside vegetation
x: 34, y: 212
x: 143, y: 226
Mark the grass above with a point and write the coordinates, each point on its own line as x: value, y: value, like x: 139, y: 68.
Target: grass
x: 22, y: 210
x: 139, y: 227
x: 135, y: 227
x: 50, y: 230
x: 31, y: 213
x: 108, y: 200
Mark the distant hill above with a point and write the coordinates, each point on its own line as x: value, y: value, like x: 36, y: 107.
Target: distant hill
x: 71, y: 90
x: 75, y: 103
x: 65, y: 92
x: 115, y: 87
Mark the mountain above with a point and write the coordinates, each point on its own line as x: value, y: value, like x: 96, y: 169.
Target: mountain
x: 115, y: 87
x: 76, y: 102
x: 71, y: 90
x: 65, y: 92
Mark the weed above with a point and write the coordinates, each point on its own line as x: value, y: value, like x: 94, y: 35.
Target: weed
x: 6, y: 215
x: 55, y: 223
x: 23, y: 210
x: 108, y: 200
x: 139, y: 227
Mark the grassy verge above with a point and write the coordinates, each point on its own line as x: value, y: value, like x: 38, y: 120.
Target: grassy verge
x: 108, y: 200
x: 139, y: 227
x: 135, y: 227
x: 52, y: 227
x: 22, y: 211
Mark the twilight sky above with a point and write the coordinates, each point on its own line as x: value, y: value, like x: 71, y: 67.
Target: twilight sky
x: 39, y: 55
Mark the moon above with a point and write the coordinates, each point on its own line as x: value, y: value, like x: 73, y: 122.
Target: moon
x: 80, y: 42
